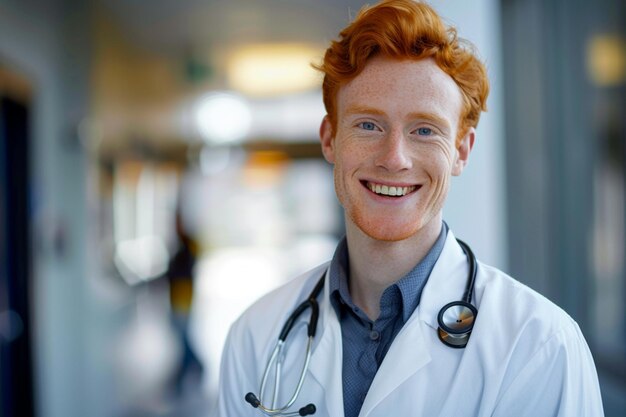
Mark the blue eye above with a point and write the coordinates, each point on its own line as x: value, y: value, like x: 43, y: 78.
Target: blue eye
x: 367, y: 126
x: 424, y: 131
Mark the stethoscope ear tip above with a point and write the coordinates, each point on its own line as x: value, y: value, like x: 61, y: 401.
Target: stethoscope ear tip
x: 307, y: 410
x: 252, y: 400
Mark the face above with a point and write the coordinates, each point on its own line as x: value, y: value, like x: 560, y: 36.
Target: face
x: 394, y: 146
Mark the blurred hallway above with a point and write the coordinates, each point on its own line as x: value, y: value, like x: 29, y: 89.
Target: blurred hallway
x: 137, y: 110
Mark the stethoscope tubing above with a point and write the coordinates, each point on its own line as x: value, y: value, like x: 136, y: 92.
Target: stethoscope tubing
x: 473, y: 266
x: 277, y: 356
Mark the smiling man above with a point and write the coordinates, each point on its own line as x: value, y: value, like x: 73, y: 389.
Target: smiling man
x: 394, y: 147
x: 404, y: 321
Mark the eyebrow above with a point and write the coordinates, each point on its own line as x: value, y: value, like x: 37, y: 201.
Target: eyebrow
x: 364, y: 110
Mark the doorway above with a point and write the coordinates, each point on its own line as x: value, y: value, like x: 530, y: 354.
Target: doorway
x: 16, y: 382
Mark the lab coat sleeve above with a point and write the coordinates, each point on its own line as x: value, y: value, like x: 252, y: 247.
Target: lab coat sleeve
x: 235, y: 381
x: 559, y: 380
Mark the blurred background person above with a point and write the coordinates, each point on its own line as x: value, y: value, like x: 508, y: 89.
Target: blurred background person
x: 180, y: 275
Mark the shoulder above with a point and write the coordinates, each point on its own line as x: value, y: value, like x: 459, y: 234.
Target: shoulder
x: 530, y: 338
x: 541, y: 363
x: 518, y: 322
x: 525, y: 341
x: 518, y: 305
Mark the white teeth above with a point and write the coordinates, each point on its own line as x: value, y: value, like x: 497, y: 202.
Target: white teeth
x: 390, y: 191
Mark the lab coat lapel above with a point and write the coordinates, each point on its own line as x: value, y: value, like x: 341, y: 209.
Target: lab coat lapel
x: 446, y: 283
x: 410, y: 352
x: 327, y: 356
x: 406, y: 356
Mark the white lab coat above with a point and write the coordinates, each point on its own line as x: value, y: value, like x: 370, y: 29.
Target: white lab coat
x: 526, y: 356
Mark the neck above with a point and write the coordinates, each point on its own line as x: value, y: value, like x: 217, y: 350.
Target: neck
x: 375, y: 264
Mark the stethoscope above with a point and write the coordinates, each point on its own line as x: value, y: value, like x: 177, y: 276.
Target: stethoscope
x: 455, y: 319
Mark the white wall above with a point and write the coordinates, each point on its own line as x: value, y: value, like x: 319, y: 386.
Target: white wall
x: 476, y: 209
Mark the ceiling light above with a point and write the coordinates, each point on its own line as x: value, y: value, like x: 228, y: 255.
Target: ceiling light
x: 223, y: 117
x: 273, y: 69
x: 606, y: 60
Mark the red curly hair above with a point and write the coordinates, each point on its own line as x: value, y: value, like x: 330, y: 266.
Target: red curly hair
x: 405, y: 29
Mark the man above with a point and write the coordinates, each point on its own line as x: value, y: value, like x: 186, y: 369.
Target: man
x: 403, y: 97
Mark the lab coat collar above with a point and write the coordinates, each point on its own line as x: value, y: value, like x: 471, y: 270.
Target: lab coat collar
x: 446, y: 283
x: 327, y: 357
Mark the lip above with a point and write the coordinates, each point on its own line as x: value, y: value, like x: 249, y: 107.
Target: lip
x: 387, y: 198
x: 389, y: 183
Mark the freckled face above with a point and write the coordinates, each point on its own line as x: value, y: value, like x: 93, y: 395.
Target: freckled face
x: 394, y: 149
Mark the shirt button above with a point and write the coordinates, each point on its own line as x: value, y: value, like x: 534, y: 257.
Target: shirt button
x: 374, y: 335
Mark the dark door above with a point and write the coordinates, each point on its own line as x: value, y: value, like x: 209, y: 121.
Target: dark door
x: 16, y: 390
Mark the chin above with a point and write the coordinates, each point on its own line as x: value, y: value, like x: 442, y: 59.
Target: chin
x: 388, y: 237
x: 380, y: 231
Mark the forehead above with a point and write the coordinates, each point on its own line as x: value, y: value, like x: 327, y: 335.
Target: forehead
x: 398, y: 87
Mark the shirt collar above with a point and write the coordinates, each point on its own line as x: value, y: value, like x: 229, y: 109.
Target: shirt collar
x: 410, y: 286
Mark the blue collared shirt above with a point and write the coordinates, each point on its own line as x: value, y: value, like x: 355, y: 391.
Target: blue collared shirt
x: 366, y: 342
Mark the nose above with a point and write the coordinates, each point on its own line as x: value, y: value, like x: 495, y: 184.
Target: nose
x: 393, y: 153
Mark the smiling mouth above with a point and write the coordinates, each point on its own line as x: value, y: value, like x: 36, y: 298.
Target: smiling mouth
x: 389, y: 191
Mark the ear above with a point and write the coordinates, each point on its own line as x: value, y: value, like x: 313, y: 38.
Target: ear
x: 463, y: 149
x: 327, y: 137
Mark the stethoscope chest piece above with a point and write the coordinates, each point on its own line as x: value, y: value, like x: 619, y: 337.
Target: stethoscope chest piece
x: 456, y: 320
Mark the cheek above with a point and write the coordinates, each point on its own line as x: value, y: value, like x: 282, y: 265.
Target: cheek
x: 437, y: 163
x: 446, y: 150
x: 438, y: 160
x: 350, y: 154
x: 341, y: 170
